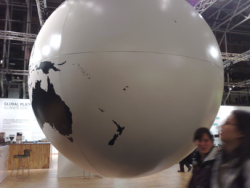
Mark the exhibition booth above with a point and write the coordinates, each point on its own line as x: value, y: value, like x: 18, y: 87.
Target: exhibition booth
x: 19, y: 130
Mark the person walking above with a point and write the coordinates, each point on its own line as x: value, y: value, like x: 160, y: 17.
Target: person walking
x: 186, y: 161
x: 232, y: 166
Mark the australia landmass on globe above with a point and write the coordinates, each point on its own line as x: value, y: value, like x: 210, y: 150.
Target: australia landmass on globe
x: 48, y: 107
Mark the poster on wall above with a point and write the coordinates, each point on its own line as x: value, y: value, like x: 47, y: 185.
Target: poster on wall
x: 16, y: 115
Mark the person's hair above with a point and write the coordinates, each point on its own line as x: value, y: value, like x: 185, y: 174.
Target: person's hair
x: 242, y: 119
x: 200, y: 132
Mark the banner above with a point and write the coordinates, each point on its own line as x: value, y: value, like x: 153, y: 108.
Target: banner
x: 16, y: 115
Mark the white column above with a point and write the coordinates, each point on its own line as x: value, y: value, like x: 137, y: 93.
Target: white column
x: 4, y: 157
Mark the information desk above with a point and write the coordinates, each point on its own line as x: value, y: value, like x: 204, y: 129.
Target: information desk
x: 40, y: 154
x: 4, y: 155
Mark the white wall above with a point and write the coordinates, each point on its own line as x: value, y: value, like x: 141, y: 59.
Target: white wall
x: 222, y: 115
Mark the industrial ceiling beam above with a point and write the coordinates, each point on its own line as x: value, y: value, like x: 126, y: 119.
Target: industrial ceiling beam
x: 11, y: 35
x: 234, y: 32
x: 14, y: 72
x: 203, y: 5
x: 246, y: 18
x: 42, y: 11
x: 240, y: 57
x: 219, y: 9
x: 228, y: 56
x: 238, y: 84
x: 228, y: 25
x: 236, y: 13
x: 230, y: 12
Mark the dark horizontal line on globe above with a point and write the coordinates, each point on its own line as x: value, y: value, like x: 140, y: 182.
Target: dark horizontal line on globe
x: 129, y: 52
x: 144, y: 52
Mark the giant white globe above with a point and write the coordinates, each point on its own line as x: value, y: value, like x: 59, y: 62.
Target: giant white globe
x: 120, y: 86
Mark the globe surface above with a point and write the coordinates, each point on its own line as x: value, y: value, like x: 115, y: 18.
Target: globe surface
x: 119, y: 87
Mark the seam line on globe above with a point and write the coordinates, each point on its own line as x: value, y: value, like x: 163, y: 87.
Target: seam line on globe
x: 147, y: 52
x: 87, y: 159
x: 130, y: 52
x: 61, y: 90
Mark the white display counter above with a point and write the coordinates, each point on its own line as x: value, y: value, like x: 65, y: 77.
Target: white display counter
x: 4, y: 157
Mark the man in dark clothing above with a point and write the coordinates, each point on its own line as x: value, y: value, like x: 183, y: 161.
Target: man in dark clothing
x: 186, y: 161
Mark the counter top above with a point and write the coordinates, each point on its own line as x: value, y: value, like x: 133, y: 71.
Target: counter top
x: 24, y: 143
x: 4, y: 145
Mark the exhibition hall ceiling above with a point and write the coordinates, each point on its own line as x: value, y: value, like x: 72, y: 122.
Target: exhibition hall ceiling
x: 229, y: 20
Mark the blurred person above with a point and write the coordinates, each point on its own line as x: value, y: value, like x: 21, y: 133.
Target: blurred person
x: 186, y: 161
x: 232, y: 166
x: 203, y: 160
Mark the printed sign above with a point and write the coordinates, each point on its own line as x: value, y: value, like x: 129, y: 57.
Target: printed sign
x: 16, y: 115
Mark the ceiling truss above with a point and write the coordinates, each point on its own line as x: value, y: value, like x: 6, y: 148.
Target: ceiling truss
x: 236, y: 58
x: 203, y: 5
x: 11, y: 35
x: 42, y: 11
x: 14, y: 72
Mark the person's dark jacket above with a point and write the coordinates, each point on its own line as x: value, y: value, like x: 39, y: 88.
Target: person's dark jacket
x: 190, y: 157
x: 225, y: 175
x: 202, y: 170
